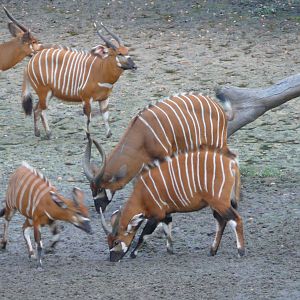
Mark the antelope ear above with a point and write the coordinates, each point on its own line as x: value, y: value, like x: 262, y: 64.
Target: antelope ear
x: 134, y: 222
x: 15, y: 30
x: 120, y: 174
x: 78, y: 194
x: 27, y: 37
x: 57, y: 201
x: 100, y: 51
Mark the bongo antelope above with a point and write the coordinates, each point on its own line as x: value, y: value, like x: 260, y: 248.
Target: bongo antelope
x: 75, y: 76
x: 23, y: 44
x: 38, y: 201
x: 183, y: 183
x: 177, y: 124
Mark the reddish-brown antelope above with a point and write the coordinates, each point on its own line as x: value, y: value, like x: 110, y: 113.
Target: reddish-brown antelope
x: 75, y: 76
x: 34, y: 197
x: 23, y: 44
x: 184, y: 183
x: 176, y: 124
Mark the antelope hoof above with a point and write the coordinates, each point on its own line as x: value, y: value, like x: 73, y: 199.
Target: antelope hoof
x: 109, y: 134
x: 40, y: 268
x: 133, y: 254
x: 212, y: 252
x: 48, y: 135
x: 37, y: 133
x: 50, y: 250
x: 170, y: 250
x: 3, y: 245
x: 241, y: 252
x: 32, y: 255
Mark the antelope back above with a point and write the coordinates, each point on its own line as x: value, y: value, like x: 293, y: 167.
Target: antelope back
x: 176, y: 124
x: 27, y: 188
x: 180, y: 183
x: 184, y: 122
x: 30, y: 192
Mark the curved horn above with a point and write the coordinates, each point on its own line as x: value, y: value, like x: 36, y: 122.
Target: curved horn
x: 99, y: 176
x: 120, y: 42
x: 104, y: 224
x: 108, y: 43
x: 86, y: 161
x: 14, y: 20
x: 116, y: 224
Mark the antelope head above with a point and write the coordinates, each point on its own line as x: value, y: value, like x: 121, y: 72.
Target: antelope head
x: 120, y: 237
x: 73, y: 210
x: 28, y: 43
x: 94, y: 175
x: 118, y: 50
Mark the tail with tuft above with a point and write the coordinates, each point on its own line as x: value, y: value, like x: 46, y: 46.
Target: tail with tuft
x: 226, y: 105
x: 27, y: 104
x: 2, y: 212
x: 26, y: 95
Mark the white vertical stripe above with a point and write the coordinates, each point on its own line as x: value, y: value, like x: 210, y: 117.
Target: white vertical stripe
x: 76, y: 72
x: 72, y: 73
x: 29, y: 75
x: 198, y: 170
x: 46, y: 65
x: 214, y: 174
x: 156, y: 190
x: 56, y: 68
x: 88, y: 75
x: 187, y: 173
x: 205, y: 170
x: 166, y: 187
x: 54, y: 52
x: 29, y: 197
x: 195, y: 140
x: 174, y: 183
x: 196, y: 118
x: 218, y: 124
x: 32, y: 69
x: 181, y: 125
x: 203, y: 119
x: 150, y: 192
x: 161, y: 126
x: 210, y: 119
x: 40, y: 66
x: 61, y: 66
x: 155, y: 135
x: 186, y: 122
x: 83, y: 71
x: 67, y: 72
x: 193, y: 171
x: 171, y: 125
x: 223, y: 176
x: 24, y: 189
x: 41, y: 191
x: 180, y: 179
x: 223, y: 128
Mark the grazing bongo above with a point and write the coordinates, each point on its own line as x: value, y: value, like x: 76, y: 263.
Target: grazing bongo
x: 176, y: 124
x: 23, y: 44
x: 34, y: 197
x: 74, y: 76
x: 184, y: 183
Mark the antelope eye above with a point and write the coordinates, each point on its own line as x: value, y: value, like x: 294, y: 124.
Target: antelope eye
x: 116, y: 242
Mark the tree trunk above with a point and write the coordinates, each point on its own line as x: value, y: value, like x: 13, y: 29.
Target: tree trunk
x: 249, y: 104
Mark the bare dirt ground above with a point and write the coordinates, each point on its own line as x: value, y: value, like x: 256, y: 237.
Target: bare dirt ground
x: 179, y: 46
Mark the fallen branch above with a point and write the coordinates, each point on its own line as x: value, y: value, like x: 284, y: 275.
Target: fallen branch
x: 249, y: 104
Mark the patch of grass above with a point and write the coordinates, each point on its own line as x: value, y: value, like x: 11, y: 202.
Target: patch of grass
x: 265, y: 172
x: 170, y: 71
x: 72, y: 32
